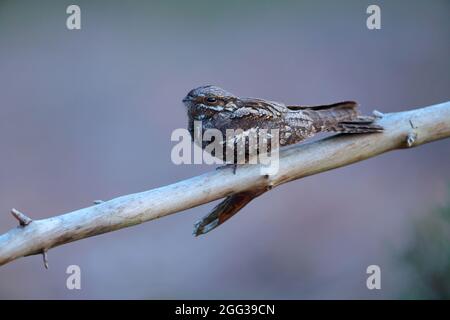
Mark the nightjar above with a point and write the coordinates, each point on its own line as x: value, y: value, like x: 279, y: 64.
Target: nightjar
x: 219, y: 109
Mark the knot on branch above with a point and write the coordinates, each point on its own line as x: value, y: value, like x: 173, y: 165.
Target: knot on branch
x: 268, y: 182
x: 412, y: 136
x: 410, y: 139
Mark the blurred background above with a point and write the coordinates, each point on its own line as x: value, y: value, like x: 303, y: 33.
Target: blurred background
x: 88, y: 115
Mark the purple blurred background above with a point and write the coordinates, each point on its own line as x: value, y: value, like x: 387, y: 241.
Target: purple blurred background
x: 88, y: 114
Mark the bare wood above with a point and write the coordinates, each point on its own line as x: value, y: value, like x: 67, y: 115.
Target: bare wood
x: 45, y: 258
x: 402, y: 130
x: 23, y: 219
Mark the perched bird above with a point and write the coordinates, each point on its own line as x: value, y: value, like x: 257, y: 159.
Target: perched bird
x: 219, y: 109
x: 222, y: 110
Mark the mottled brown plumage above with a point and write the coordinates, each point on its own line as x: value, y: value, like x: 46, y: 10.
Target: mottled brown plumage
x: 219, y: 109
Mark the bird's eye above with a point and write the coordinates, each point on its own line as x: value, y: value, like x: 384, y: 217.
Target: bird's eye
x: 211, y: 99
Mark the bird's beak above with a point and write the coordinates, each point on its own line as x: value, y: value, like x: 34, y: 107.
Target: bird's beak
x: 186, y: 99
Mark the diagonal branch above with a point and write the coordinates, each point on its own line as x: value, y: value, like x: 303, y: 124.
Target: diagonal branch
x: 402, y: 130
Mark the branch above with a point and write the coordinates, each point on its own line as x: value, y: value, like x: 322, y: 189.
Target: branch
x: 402, y: 130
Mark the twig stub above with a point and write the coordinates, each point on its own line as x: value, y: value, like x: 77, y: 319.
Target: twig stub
x: 410, y: 139
x: 23, y: 219
x: 377, y: 114
x: 45, y: 258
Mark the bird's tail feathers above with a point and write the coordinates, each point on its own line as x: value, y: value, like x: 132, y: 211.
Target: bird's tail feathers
x: 358, y: 126
x: 341, y: 117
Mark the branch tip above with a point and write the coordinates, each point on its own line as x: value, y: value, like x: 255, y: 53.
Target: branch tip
x: 201, y: 228
x: 22, y: 218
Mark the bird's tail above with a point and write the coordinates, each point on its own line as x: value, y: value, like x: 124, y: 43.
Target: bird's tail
x: 340, y: 117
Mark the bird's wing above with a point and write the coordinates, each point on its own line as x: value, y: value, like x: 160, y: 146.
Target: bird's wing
x: 253, y: 106
x: 343, y: 104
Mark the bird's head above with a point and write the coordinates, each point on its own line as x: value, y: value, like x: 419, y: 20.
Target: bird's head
x: 209, y: 98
